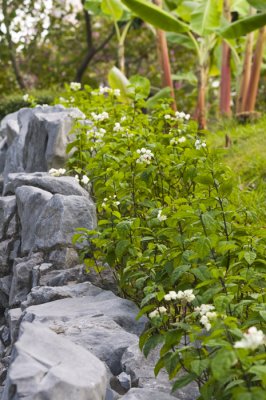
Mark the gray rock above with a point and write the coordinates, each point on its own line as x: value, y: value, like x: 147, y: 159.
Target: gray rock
x: 59, y: 219
x: 48, y: 366
x: 100, y: 322
x: 41, y: 141
x: 13, y: 319
x: 65, y: 185
x: 5, y: 335
x: 138, y: 367
x: 6, y: 248
x: 9, y: 124
x: 7, y: 212
x: 22, y: 278
x: 3, y: 151
x: 66, y: 257
x: 47, y: 276
x: 31, y: 202
x: 45, y: 294
x: 5, y: 284
x: 146, y: 394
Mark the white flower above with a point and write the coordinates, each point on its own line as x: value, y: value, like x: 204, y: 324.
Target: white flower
x: 145, y: 155
x: 205, y: 322
x: 182, y: 115
x: 103, y: 89
x: 251, y: 340
x: 216, y: 84
x: 199, y: 144
x: 204, y: 308
x: 172, y: 295
x: 154, y: 314
x: 57, y: 172
x: 75, y: 86
x: 26, y: 97
x: 117, y: 92
x: 160, y: 216
x: 117, y: 127
x: 182, y: 139
x: 167, y: 116
x: 167, y: 297
x: 117, y: 203
x: 122, y: 119
x: 173, y: 141
x: 186, y: 295
x: 85, y: 180
x: 100, y: 117
x: 62, y: 100
x: 162, y: 310
x: 77, y: 178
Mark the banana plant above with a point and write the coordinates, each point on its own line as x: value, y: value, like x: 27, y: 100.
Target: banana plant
x: 121, y: 18
x: 202, y: 21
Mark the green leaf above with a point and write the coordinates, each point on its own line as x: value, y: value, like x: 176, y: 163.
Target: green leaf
x: 114, y: 8
x: 222, y: 362
x: 121, y: 248
x: 250, y: 257
x: 156, y: 16
x: 198, y: 366
x: 185, y: 76
x: 263, y: 314
x: 151, y: 343
x: 180, y: 39
x: 244, y: 26
x: 206, y: 17
x: 184, y: 381
x: 93, y: 7
x: 141, y: 85
x: 153, y: 101
x: 259, y: 4
x: 117, y: 80
x: 225, y: 189
x: 179, y: 271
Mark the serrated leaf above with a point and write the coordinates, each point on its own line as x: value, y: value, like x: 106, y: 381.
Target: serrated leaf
x: 121, y: 248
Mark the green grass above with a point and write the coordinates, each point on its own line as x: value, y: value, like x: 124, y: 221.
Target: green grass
x: 246, y: 157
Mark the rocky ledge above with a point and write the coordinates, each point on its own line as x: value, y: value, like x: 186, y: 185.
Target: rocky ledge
x: 61, y: 336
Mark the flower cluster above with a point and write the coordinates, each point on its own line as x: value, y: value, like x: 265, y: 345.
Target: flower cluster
x: 57, y: 172
x: 182, y: 115
x: 75, y: 86
x: 145, y: 156
x: 111, y: 199
x: 251, y: 340
x: 157, y: 312
x: 175, y: 141
x: 117, y: 127
x: 106, y: 89
x: 185, y: 296
x: 26, y: 97
x: 100, y: 117
x: 207, y: 314
x: 199, y: 144
x: 160, y: 216
x: 85, y: 179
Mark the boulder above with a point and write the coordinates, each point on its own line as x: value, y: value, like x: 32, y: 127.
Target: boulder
x: 6, y: 248
x: 9, y: 127
x: 65, y: 185
x: 7, y: 214
x: 146, y: 394
x: 59, y: 219
x: 22, y: 278
x: 31, y: 201
x: 41, y: 141
x: 142, y: 369
x: 48, y: 366
x: 46, y: 275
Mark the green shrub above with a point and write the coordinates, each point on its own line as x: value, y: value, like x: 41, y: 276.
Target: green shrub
x: 180, y: 243
x: 15, y: 102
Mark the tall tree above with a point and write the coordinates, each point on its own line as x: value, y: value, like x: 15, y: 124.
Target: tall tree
x: 225, y: 88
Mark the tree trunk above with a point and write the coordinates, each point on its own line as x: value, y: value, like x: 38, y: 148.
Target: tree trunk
x: 225, y: 88
x: 201, y: 104
x: 255, y: 72
x: 246, y: 71
x: 164, y: 60
x: 12, y: 50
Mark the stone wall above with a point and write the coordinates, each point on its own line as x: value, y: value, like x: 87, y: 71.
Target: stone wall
x: 61, y: 336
